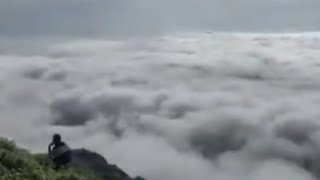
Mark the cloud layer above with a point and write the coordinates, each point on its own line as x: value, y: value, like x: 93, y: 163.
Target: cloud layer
x: 177, y: 107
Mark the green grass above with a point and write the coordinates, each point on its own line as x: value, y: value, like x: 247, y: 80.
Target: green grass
x: 19, y: 164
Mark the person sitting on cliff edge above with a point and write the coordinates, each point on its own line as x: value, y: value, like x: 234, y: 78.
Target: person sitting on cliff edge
x: 59, y: 152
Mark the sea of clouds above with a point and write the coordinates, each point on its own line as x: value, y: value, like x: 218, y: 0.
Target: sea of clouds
x: 193, y: 106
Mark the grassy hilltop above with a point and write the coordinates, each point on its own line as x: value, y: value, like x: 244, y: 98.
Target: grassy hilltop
x: 19, y: 164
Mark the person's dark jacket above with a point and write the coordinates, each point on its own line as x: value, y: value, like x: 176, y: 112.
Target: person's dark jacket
x: 60, y: 154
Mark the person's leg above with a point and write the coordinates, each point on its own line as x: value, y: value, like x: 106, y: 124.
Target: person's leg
x: 57, y: 163
x: 62, y: 161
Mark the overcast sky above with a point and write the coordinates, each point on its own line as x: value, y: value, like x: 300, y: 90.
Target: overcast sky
x: 128, y: 17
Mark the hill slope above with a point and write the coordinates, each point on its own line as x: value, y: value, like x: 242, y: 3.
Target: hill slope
x: 19, y: 164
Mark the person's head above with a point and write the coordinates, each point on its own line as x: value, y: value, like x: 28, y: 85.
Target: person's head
x: 56, y: 138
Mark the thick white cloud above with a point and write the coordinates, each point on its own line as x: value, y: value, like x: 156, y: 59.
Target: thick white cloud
x: 178, y: 107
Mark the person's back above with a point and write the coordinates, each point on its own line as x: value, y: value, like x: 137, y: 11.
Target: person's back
x: 59, y: 152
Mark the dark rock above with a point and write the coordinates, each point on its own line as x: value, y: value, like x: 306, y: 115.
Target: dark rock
x: 85, y: 159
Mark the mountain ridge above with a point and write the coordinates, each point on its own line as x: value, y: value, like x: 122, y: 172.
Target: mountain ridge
x: 19, y: 164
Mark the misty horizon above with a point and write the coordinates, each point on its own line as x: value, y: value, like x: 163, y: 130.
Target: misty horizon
x: 142, y: 17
